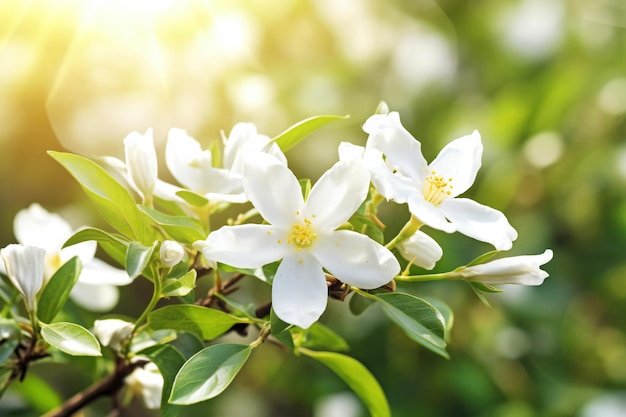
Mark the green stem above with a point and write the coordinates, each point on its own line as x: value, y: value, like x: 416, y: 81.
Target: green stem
x: 407, y: 231
x: 156, y: 296
x: 429, y: 277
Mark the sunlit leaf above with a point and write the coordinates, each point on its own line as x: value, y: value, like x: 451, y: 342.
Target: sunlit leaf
x: 319, y: 336
x: 293, y: 135
x: 57, y: 290
x: 206, y: 323
x: 179, y: 287
x: 208, y: 373
x: 137, y: 258
x: 116, y: 205
x: 357, y: 377
x: 71, y: 339
x: 114, y: 245
x: 192, y: 198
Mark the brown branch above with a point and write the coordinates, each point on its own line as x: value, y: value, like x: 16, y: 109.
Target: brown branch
x: 107, y: 386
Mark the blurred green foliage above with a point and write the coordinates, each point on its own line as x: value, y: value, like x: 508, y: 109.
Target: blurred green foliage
x: 543, y: 82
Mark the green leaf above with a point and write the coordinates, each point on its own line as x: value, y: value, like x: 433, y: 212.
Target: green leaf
x: 57, y: 290
x: 10, y: 335
x: 180, y: 228
x: 137, y: 258
x: 179, y: 287
x: 419, y: 319
x: 192, y: 198
x: 358, y: 378
x: 208, y: 373
x: 206, y: 323
x: 305, y: 186
x: 280, y: 330
x: 116, y: 205
x: 113, y: 245
x: 169, y: 361
x: 71, y: 339
x: 359, y: 304
x: 448, y: 316
x: 293, y: 135
x: 319, y: 336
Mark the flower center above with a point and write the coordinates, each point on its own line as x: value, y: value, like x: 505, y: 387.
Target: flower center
x: 302, y: 235
x: 436, y: 188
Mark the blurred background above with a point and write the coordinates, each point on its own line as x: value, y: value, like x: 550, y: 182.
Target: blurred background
x: 543, y: 81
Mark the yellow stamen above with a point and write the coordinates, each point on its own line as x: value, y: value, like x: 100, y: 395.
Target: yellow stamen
x: 302, y: 235
x: 436, y: 188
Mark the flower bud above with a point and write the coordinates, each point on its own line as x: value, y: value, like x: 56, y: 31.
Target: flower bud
x: 171, y: 253
x: 147, y: 381
x: 421, y: 249
x: 141, y: 162
x: 25, y: 268
x: 523, y: 270
x: 113, y: 332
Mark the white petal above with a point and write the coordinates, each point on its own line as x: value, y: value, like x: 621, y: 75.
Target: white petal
x: 36, y: 226
x: 245, y: 246
x: 356, y: 259
x: 97, y: 298
x: 243, y: 141
x: 141, y: 162
x: 337, y: 194
x: 403, y: 151
x: 479, y: 222
x: 459, y: 160
x: 421, y: 249
x: 193, y: 167
x: 429, y: 214
x: 25, y: 268
x: 273, y: 189
x: 98, y: 272
x: 392, y: 186
x: 299, y: 291
x: 84, y: 250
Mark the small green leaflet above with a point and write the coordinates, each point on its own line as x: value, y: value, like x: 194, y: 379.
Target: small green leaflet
x: 293, y: 135
x: 179, y: 287
x: 57, y: 290
x: 71, y: 339
x: 358, y: 378
x: 208, y: 373
x: 137, y: 258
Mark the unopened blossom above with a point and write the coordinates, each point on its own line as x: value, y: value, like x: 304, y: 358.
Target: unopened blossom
x: 113, y: 332
x: 432, y: 190
x: 24, y: 265
x: 198, y: 169
x: 148, y: 382
x: 171, y: 253
x: 421, y: 250
x: 141, y: 162
x: 302, y: 234
x: 523, y: 270
x: 95, y: 289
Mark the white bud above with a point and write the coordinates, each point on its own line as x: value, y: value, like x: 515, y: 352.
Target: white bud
x: 171, y: 253
x: 147, y: 381
x: 25, y: 268
x: 421, y: 249
x: 113, y: 332
x: 523, y: 270
x: 141, y: 162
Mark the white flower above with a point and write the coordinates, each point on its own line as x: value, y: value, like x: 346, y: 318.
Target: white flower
x: 421, y: 250
x: 171, y: 253
x: 302, y: 234
x: 147, y: 381
x: 197, y: 171
x: 141, y: 162
x: 431, y: 190
x: 95, y: 289
x: 113, y: 332
x: 25, y: 268
x: 524, y: 270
